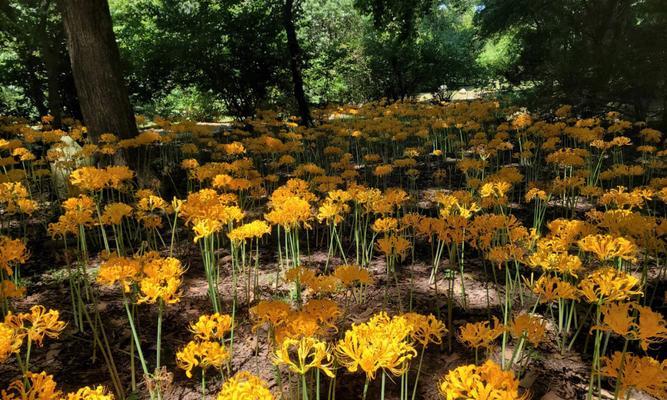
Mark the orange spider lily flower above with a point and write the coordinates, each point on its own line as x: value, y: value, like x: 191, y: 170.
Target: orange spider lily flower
x: 426, y: 329
x: 480, y: 334
x: 631, y: 371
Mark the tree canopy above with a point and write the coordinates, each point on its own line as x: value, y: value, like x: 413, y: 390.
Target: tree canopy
x: 206, y: 58
x: 584, y: 50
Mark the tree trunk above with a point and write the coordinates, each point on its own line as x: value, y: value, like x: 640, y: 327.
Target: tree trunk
x: 70, y: 98
x: 295, y: 62
x: 35, y: 91
x: 53, y: 86
x: 95, y: 60
x: 664, y: 109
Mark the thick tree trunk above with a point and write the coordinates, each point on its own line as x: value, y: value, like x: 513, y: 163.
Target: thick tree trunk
x: 295, y: 62
x: 95, y: 60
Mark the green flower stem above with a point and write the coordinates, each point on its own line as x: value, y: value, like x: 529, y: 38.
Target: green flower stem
x: 419, y: 369
x: 363, y: 397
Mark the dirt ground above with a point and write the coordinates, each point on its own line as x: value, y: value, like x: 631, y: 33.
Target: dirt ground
x: 549, y: 375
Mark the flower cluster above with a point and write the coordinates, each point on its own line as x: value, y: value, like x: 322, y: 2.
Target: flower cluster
x: 382, y: 344
x: 244, y: 385
x: 487, y: 381
x: 207, y: 349
x: 161, y: 281
x: 41, y: 386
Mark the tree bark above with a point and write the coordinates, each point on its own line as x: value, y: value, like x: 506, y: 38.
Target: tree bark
x: 295, y: 62
x: 54, y: 88
x: 34, y: 85
x: 95, y: 61
x: 70, y: 98
x: 664, y: 108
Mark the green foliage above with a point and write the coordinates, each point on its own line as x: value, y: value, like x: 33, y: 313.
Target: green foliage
x: 204, y: 58
x: 438, y: 46
x: 185, y: 103
x: 441, y: 51
x: 234, y: 48
x: 12, y: 94
x: 336, y: 67
x: 584, y: 51
x: 12, y: 102
x: 237, y: 49
x: 500, y: 55
x: 33, y: 60
x: 398, y: 16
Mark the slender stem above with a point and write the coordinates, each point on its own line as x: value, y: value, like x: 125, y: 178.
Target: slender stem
x: 27, y: 355
x: 419, y: 369
x: 595, y: 370
x: 231, y: 343
x: 382, y: 387
x: 505, y: 316
x: 621, y: 373
x: 173, y: 234
x: 203, y: 384
x: 517, y: 350
x: 135, y: 336
x: 304, y: 387
x: 133, y: 368
x: 159, y: 334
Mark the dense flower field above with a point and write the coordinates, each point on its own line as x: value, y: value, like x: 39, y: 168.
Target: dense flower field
x: 341, y: 260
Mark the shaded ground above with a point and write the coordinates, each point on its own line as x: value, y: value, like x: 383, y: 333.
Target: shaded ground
x: 74, y: 364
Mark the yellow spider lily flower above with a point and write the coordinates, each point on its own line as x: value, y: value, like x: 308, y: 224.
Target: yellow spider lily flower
x: 631, y: 371
x: 301, y: 355
x: 608, y: 284
x: 534, y: 328
x: 480, y: 334
x: 162, y: 280
x: 485, y: 382
x: 88, y: 393
x: 382, y: 343
x: 10, y: 341
x: 212, y: 327
x: 40, y: 386
x: 244, y: 386
x: 426, y: 329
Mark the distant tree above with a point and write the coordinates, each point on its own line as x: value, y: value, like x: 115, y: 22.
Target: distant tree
x: 335, y: 67
x: 585, y: 51
x: 96, y: 67
x: 289, y: 9
x: 390, y: 47
x: 232, y: 49
x: 420, y: 45
x: 33, y: 31
x: 397, y: 15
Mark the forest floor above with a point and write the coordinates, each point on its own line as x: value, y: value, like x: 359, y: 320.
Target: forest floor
x: 550, y: 376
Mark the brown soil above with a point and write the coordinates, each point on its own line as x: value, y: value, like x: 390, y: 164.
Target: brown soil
x: 548, y: 374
